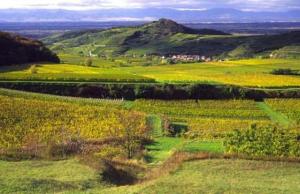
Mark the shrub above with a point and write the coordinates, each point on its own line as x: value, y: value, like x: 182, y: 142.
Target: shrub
x: 88, y: 62
x: 109, y: 152
x: 176, y: 129
x: 285, y: 72
x: 147, y: 64
x: 62, y: 150
x: 14, y: 154
x: 33, y: 69
x: 264, y: 141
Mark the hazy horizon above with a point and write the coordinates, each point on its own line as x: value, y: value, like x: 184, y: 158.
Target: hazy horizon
x: 194, y: 11
x: 244, y: 5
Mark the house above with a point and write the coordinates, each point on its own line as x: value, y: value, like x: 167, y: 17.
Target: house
x: 91, y: 54
x: 186, y: 58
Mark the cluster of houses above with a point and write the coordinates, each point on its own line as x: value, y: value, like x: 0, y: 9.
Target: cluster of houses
x: 188, y: 58
x: 174, y: 58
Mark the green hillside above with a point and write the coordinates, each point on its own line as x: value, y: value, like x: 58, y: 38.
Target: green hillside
x: 287, y: 52
x: 165, y: 37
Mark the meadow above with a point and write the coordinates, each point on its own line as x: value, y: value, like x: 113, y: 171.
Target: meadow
x: 215, y: 176
x: 249, y: 73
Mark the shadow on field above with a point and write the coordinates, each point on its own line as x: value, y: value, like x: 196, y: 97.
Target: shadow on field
x: 7, y: 69
x: 118, y: 176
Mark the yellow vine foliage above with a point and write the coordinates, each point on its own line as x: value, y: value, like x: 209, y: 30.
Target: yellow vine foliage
x: 27, y: 119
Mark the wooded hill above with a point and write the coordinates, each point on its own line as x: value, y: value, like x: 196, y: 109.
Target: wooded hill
x: 16, y: 49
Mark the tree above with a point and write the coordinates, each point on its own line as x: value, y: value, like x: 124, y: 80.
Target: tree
x: 134, y: 130
x: 88, y: 62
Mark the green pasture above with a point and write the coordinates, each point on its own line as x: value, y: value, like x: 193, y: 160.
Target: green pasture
x: 206, y: 176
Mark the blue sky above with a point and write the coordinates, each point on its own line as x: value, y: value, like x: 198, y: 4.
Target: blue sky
x: 251, y: 5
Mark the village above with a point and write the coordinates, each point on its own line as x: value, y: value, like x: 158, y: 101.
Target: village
x: 187, y: 58
x: 172, y: 58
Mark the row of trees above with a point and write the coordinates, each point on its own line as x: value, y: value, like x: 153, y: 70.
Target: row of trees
x: 154, y: 91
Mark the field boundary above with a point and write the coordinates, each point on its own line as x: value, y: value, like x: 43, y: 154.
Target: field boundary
x: 150, y: 90
x: 57, y: 82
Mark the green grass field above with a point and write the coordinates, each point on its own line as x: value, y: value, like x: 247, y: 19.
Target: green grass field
x: 251, y: 72
x: 206, y: 176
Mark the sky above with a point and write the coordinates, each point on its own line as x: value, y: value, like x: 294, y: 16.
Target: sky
x: 246, y: 5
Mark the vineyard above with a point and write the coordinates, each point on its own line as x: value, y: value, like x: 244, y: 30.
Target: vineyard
x: 28, y: 122
x: 207, y: 118
x: 30, y: 118
x: 100, y: 118
x: 252, y: 72
x: 288, y: 107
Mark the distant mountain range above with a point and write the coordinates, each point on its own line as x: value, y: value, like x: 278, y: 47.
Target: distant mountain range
x: 210, y: 15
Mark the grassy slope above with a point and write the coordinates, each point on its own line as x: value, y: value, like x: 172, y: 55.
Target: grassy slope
x: 167, y: 37
x: 155, y: 123
x: 45, y: 176
x: 252, y: 72
x: 288, y: 52
x: 164, y: 147
x: 229, y: 176
x: 276, y: 117
x: 158, y: 37
x: 290, y: 108
x: 209, y: 176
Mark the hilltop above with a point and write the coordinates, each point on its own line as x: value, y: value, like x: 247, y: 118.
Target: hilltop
x: 159, y: 37
x: 166, y: 37
x: 16, y: 49
x: 170, y: 27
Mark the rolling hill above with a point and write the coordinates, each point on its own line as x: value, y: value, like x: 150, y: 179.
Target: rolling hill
x: 19, y: 50
x: 166, y: 37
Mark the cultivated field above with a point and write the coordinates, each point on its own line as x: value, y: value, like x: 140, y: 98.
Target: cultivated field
x: 34, y: 126
x: 251, y: 72
x: 207, y: 118
x: 290, y: 108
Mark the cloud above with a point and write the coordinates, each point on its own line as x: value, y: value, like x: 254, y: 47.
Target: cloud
x: 266, y: 5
